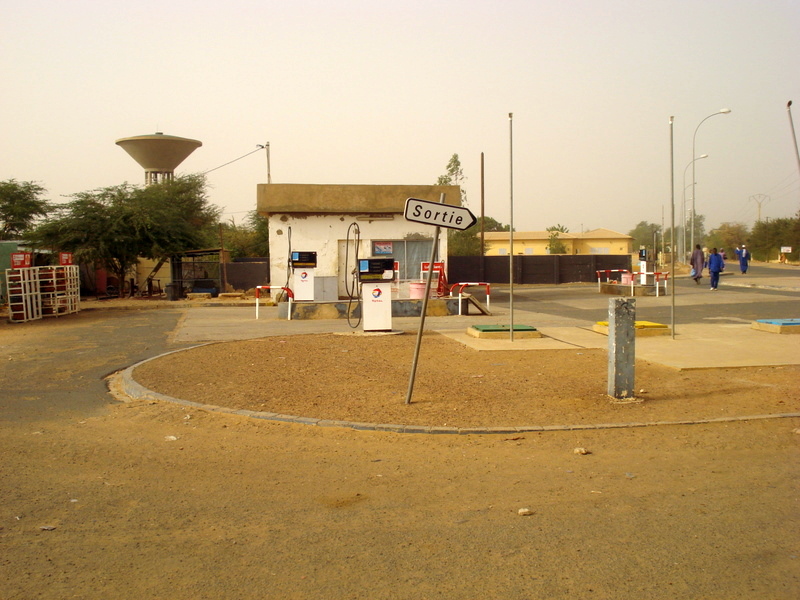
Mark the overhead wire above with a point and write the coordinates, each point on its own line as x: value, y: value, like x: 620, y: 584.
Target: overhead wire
x: 259, y: 148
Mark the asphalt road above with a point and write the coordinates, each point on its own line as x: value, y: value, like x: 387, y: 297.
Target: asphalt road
x: 766, y: 292
x: 55, y: 369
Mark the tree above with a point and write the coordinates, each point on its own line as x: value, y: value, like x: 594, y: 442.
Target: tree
x: 554, y: 243
x: 769, y: 235
x: 727, y: 236
x: 454, y: 176
x: 645, y: 234
x: 699, y: 230
x: 250, y: 239
x: 468, y: 242
x: 114, y: 226
x: 20, y: 205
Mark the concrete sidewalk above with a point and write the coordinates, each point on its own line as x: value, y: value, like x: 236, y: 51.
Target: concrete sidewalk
x: 695, y: 346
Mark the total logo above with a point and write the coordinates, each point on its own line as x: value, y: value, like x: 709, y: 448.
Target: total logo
x: 377, y: 293
x: 304, y: 275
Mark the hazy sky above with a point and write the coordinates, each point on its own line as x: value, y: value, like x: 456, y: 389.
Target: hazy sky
x: 379, y: 92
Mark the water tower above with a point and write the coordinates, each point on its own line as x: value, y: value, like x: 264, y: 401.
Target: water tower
x: 159, y: 154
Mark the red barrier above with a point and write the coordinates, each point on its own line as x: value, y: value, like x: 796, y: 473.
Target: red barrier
x: 461, y: 287
x: 288, y: 291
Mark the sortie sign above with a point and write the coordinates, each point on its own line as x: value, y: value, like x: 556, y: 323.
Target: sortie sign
x: 442, y: 215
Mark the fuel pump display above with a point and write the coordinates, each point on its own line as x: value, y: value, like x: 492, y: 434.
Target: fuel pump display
x: 307, y: 260
x: 376, y: 269
x: 376, y: 276
x: 303, y: 266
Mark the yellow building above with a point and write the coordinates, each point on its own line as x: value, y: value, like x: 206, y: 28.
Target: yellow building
x: 596, y: 241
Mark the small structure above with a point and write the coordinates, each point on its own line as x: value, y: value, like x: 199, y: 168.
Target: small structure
x: 340, y: 222
x: 197, y: 272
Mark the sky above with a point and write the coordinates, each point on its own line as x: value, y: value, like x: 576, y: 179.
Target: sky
x: 378, y: 92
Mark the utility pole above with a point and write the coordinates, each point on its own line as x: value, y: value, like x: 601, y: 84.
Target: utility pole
x: 760, y: 199
x: 794, y: 135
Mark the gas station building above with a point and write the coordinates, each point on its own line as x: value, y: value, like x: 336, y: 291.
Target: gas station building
x: 337, y: 221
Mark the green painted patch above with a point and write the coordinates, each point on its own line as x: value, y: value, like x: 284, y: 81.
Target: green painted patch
x: 502, y: 328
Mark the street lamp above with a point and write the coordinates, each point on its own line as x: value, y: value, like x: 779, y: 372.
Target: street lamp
x: 722, y: 111
x: 683, y: 206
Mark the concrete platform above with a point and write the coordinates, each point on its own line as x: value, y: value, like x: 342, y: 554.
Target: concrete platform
x: 781, y: 326
x: 642, y: 328
x: 503, y: 331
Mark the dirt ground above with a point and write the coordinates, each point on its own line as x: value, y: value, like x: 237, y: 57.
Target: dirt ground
x: 146, y: 499
x: 365, y: 379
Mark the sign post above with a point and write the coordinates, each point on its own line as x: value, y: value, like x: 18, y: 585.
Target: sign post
x: 440, y: 215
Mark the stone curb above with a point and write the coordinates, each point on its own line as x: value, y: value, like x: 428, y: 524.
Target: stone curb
x: 131, y: 388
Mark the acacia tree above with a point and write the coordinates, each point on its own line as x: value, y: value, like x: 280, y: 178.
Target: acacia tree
x: 113, y: 227
x: 20, y: 205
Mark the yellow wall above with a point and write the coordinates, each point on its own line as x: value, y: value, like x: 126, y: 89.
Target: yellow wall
x: 536, y: 243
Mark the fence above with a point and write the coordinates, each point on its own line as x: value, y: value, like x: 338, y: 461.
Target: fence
x: 548, y: 269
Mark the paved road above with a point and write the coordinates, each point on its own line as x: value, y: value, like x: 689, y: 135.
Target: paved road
x: 54, y: 369
x: 766, y: 292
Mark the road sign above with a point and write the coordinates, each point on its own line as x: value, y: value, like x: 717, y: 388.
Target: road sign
x: 442, y: 215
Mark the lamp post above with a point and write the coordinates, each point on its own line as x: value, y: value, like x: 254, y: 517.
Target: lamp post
x: 511, y: 226
x: 683, y: 206
x: 722, y: 111
x: 672, y: 226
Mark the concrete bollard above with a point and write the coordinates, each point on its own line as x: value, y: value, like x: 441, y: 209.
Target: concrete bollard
x: 621, y: 347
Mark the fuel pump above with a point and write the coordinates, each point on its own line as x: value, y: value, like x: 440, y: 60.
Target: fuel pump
x: 376, y: 276
x: 303, y: 266
x: 644, y: 261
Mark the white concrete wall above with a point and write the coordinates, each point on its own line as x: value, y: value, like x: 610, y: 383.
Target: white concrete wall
x: 322, y: 234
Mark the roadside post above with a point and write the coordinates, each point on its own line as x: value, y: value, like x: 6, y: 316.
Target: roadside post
x: 621, y: 347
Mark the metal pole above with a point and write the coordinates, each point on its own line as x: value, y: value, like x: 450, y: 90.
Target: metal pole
x: 483, y: 228
x: 794, y: 136
x: 428, y: 279
x: 672, y: 224
x: 511, y: 226
x: 269, y: 173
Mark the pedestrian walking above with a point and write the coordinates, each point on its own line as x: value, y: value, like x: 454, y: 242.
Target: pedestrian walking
x: 715, y: 266
x: 697, y: 261
x: 744, y: 259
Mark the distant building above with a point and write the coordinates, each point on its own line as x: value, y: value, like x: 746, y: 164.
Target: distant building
x: 596, y: 241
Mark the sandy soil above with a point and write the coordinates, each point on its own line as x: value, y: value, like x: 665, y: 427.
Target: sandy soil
x: 365, y: 379
x: 146, y: 499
